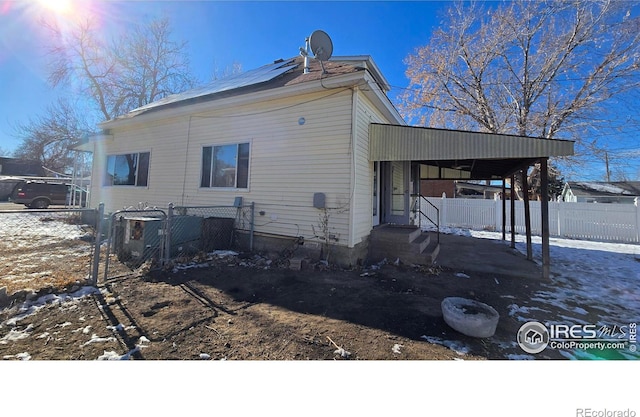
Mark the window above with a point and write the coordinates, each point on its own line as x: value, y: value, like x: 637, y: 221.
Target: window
x: 128, y: 169
x: 225, y: 166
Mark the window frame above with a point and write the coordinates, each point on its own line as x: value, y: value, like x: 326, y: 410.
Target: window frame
x: 137, y: 175
x: 242, y: 166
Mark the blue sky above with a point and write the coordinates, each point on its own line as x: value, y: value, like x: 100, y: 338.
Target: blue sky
x: 220, y: 33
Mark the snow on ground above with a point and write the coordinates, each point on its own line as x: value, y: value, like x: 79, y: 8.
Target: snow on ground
x: 66, y: 300
x: 588, y: 279
x: 600, y: 275
x: 17, y: 228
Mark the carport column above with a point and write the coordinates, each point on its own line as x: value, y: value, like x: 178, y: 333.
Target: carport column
x: 636, y: 202
x: 504, y: 209
x: 527, y: 212
x: 544, y: 216
x: 512, y: 204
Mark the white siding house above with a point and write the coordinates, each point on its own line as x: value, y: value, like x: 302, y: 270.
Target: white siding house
x: 279, y: 136
x: 304, y: 134
x: 623, y: 192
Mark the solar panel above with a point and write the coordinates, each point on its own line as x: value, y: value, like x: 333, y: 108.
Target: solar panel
x: 252, y: 77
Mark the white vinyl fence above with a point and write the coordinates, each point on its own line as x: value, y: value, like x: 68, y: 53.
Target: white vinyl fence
x: 587, y: 221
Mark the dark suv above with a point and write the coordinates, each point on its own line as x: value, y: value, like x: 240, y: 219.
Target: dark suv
x: 40, y: 194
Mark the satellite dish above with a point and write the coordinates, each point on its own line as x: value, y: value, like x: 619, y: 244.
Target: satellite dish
x: 321, y: 45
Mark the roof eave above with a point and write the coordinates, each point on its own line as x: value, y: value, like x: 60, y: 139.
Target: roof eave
x: 369, y: 65
x: 408, y: 143
x: 186, y: 109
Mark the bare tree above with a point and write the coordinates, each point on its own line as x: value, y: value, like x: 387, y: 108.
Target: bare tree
x: 51, y: 138
x: 546, y: 69
x: 140, y: 67
x: 233, y: 69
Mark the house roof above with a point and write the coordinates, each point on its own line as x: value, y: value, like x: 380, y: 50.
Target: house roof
x: 603, y: 188
x: 280, y: 73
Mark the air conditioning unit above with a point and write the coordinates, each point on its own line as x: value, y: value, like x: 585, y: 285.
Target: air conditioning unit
x: 138, y: 239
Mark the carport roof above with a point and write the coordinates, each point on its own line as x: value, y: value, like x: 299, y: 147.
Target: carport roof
x: 459, y: 154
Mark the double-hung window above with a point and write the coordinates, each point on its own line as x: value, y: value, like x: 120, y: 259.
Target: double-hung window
x: 128, y: 169
x: 225, y: 166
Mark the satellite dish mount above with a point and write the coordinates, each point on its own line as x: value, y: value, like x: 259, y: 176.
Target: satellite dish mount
x: 320, y: 45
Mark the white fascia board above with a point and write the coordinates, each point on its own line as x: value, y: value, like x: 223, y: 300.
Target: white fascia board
x: 342, y: 81
x: 369, y: 65
x: 89, y: 145
x: 382, y: 102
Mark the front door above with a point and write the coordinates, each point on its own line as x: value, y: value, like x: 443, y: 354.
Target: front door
x: 395, y: 191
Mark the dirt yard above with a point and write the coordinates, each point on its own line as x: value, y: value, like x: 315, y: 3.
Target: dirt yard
x: 251, y: 308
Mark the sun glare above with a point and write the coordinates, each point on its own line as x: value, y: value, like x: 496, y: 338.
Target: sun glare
x: 60, y: 7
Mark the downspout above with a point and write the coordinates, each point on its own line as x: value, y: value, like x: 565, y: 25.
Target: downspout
x: 186, y: 159
x: 354, y: 124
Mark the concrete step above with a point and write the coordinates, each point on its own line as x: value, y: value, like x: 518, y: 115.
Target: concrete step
x: 422, y: 250
x: 395, y: 233
x: 432, y: 251
x: 421, y: 242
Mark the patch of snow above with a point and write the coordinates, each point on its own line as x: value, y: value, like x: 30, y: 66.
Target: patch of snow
x: 30, y: 307
x: 86, y: 329
x: 396, y: 348
x: 458, y: 347
x: 223, y: 253
x: 514, y: 356
x: 462, y: 275
x: 523, y: 313
x: 205, y: 356
x: 595, y: 275
x: 14, y: 335
x: 118, y: 328
x: 97, y: 339
x: 343, y: 353
x: 24, y: 356
x: 109, y: 356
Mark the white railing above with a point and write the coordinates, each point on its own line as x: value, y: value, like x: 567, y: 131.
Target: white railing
x: 588, y: 221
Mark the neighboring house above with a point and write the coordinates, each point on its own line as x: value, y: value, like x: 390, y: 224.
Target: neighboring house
x: 460, y: 189
x: 601, y: 192
x: 20, y: 167
x: 438, y: 188
x: 286, y: 139
x: 480, y: 191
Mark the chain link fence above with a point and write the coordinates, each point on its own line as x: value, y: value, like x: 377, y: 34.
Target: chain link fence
x: 42, y: 249
x: 152, y: 238
x: 196, y: 230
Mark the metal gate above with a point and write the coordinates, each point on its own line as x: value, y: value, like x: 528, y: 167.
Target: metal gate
x: 135, y: 239
x: 147, y: 239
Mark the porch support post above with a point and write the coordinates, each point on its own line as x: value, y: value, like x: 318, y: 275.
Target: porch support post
x: 527, y: 213
x: 544, y: 207
x: 504, y: 210
x: 512, y: 203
